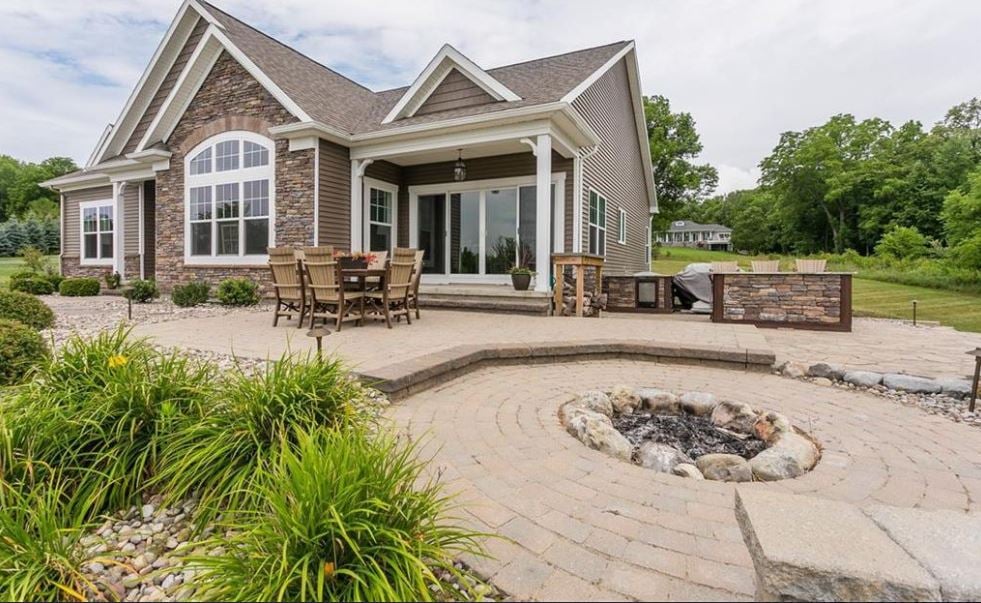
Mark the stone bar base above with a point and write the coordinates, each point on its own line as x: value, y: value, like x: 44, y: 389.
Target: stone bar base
x: 820, y: 301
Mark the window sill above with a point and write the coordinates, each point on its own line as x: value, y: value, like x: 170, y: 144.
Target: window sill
x: 104, y: 263
x: 227, y: 262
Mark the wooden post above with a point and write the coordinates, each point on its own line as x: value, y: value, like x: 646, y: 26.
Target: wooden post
x: 559, y: 287
x: 580, y: 289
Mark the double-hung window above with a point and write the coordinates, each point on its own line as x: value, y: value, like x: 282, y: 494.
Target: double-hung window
x: 98, y: 231
x: 230, y: 199
x: 597, y: 224
x: 381, y: 205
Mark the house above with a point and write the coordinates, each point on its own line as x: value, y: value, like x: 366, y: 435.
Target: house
x: 233, y: 142
x: 685, y: 233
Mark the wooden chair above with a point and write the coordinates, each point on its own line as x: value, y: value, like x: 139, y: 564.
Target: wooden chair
x: 725, y: 267
x: 395, y: 295
x: 329, y: 300
x: 811, y: 265
x: 766, y: 265
x: 381, y: 258
x: 287, y: 281
x: 416, y: 277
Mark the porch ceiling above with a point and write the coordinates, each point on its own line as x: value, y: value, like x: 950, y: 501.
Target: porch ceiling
x: 504, y: 147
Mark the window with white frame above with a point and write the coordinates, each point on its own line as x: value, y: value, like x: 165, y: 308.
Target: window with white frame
x: 621, y: 226
x: 98, y: 227
x: 597, y: 224
x: 380, y: 219
x: 229, y: 201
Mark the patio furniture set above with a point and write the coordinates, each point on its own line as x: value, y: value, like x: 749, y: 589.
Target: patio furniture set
x: 317, y: 284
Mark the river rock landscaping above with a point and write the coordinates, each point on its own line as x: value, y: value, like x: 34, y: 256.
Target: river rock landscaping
x: 690, y: 434
x: 946, y: 397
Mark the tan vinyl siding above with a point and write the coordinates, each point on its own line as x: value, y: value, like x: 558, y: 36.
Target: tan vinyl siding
x: 616, y: 170
x: 131, y: 218
x: 166, y: 86
x: 456, y: 91
x: 70, y: 234
x: 335, y: 195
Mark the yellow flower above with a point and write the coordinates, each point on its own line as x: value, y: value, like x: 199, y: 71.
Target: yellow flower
x: 117, y: 360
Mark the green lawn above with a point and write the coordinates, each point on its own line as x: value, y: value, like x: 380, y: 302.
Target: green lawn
x: 9, y: 266
x: 870, y: 298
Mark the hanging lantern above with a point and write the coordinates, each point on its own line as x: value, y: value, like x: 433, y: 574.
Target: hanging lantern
x: 460, y: 168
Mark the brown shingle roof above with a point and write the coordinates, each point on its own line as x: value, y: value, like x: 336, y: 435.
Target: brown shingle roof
x: 338, y: 101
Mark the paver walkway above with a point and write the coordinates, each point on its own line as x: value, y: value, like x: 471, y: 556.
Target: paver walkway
x: 874, y: 344
x: 587, y: 526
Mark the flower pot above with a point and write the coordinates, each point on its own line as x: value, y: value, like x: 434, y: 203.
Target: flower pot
x: 348, y: 263
x: 520, y: 281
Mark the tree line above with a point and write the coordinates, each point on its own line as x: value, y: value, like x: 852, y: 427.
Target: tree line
x: 28, y: 212
x: 852, y: 184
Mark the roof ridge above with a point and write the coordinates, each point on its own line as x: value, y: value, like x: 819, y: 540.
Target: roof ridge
x: 209, y: 5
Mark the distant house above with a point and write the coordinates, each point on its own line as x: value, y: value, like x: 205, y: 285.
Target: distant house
x: 685, y: 233
x: 233, y: 142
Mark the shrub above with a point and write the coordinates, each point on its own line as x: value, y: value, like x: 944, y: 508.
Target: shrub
x: 112, y: 280
x: 142, y: 291
x: 79, y: 287
x: 25, y: 308
x: 238, y: 292
x: 41, y: 554
x: 21, y: 350
x: 54, y: 278
x: 35, y: 285
x: 191, y: 294
x: 967, y: 253
x: 33, y: 258
x: 345, y: 516
x: 98, y: 411
x: 250, y: 416
x: 902, y: 242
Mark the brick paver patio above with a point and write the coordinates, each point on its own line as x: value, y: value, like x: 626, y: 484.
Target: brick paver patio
x: 587, y: 526
x: 874, y: 344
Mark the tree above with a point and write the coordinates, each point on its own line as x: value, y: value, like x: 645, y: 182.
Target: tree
x: 20, y: 188
x: 674, y: 147
x: 902, y: 242
x: 961, y: 212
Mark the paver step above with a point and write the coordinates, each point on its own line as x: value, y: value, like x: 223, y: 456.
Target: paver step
x: 537, y: 306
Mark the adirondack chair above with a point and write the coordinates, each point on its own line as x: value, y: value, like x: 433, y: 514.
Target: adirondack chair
x: 394, y: 296
x: 329, y: 300
x: 291, y: 294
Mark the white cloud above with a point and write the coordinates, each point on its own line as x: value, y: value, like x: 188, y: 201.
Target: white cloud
x: 747, y: 71
x: 734, y: 178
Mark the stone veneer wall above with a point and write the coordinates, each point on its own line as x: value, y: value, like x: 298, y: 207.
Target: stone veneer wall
x: 806, y: 300
x: 621, y: 294
x: 71, y: 267
x: 230, y: 99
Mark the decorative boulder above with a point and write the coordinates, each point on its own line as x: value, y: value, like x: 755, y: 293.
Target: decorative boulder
x: 699, y: 404
x: 573, y: 410
x: 596, y: 401
x: 862, y: 378
x: 724, y: 468
x: 909, y: 383
x: 734, y: 416
x: 792, y: 455
x: 660, y: 457
x: 957, y: 388
x: 660, y: 402
x: 598, y: 433
x: 770, y: 426
x: 823, y: 370
x: 794, y: 370
x: 624, y: 400
x: 687, y: 470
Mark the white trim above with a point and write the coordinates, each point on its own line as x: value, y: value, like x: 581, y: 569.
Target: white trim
x: 316, y: 195
x: 82, y: 206
x: 126, y: 123
x: 238, y: 176
x: 438, y: 68
x: 543, y: 211
x: 558, y: 227
x: 193, y: 76
x: 454, y: 140
x: 621, y: 226
x: 93, y: 157
x: 393, y: 189
x: 61, y: 229
x: 141, y: 244
x: 596, y: 75
x: 605, y: 228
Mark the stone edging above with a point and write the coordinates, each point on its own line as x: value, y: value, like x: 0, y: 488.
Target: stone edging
x: 417, y: 374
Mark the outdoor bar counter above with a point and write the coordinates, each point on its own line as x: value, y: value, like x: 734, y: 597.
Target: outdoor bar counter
x: 799, y: 300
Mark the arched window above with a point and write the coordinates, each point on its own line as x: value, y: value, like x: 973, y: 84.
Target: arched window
x: 230, y: 199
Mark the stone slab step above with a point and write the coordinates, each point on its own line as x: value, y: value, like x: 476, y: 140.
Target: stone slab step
x: 536, y: 306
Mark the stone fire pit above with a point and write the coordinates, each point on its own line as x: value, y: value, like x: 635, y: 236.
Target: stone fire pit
x: 690, y: 434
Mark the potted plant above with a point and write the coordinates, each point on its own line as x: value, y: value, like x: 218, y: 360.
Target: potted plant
x: 354, y: 260
x: 113, y: 279
x: 521, y: 277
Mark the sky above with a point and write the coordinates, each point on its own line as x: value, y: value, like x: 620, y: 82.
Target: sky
x: 746, y: 70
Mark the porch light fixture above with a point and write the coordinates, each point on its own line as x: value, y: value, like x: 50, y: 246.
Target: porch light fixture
x: 460, y: 168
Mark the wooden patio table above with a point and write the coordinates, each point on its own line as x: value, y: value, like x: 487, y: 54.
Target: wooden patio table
x: 359, y: 277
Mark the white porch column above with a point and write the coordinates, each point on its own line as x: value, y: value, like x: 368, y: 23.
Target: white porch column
x: 358, y: 166
x: 119, y: 226
x: 543, y: 218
